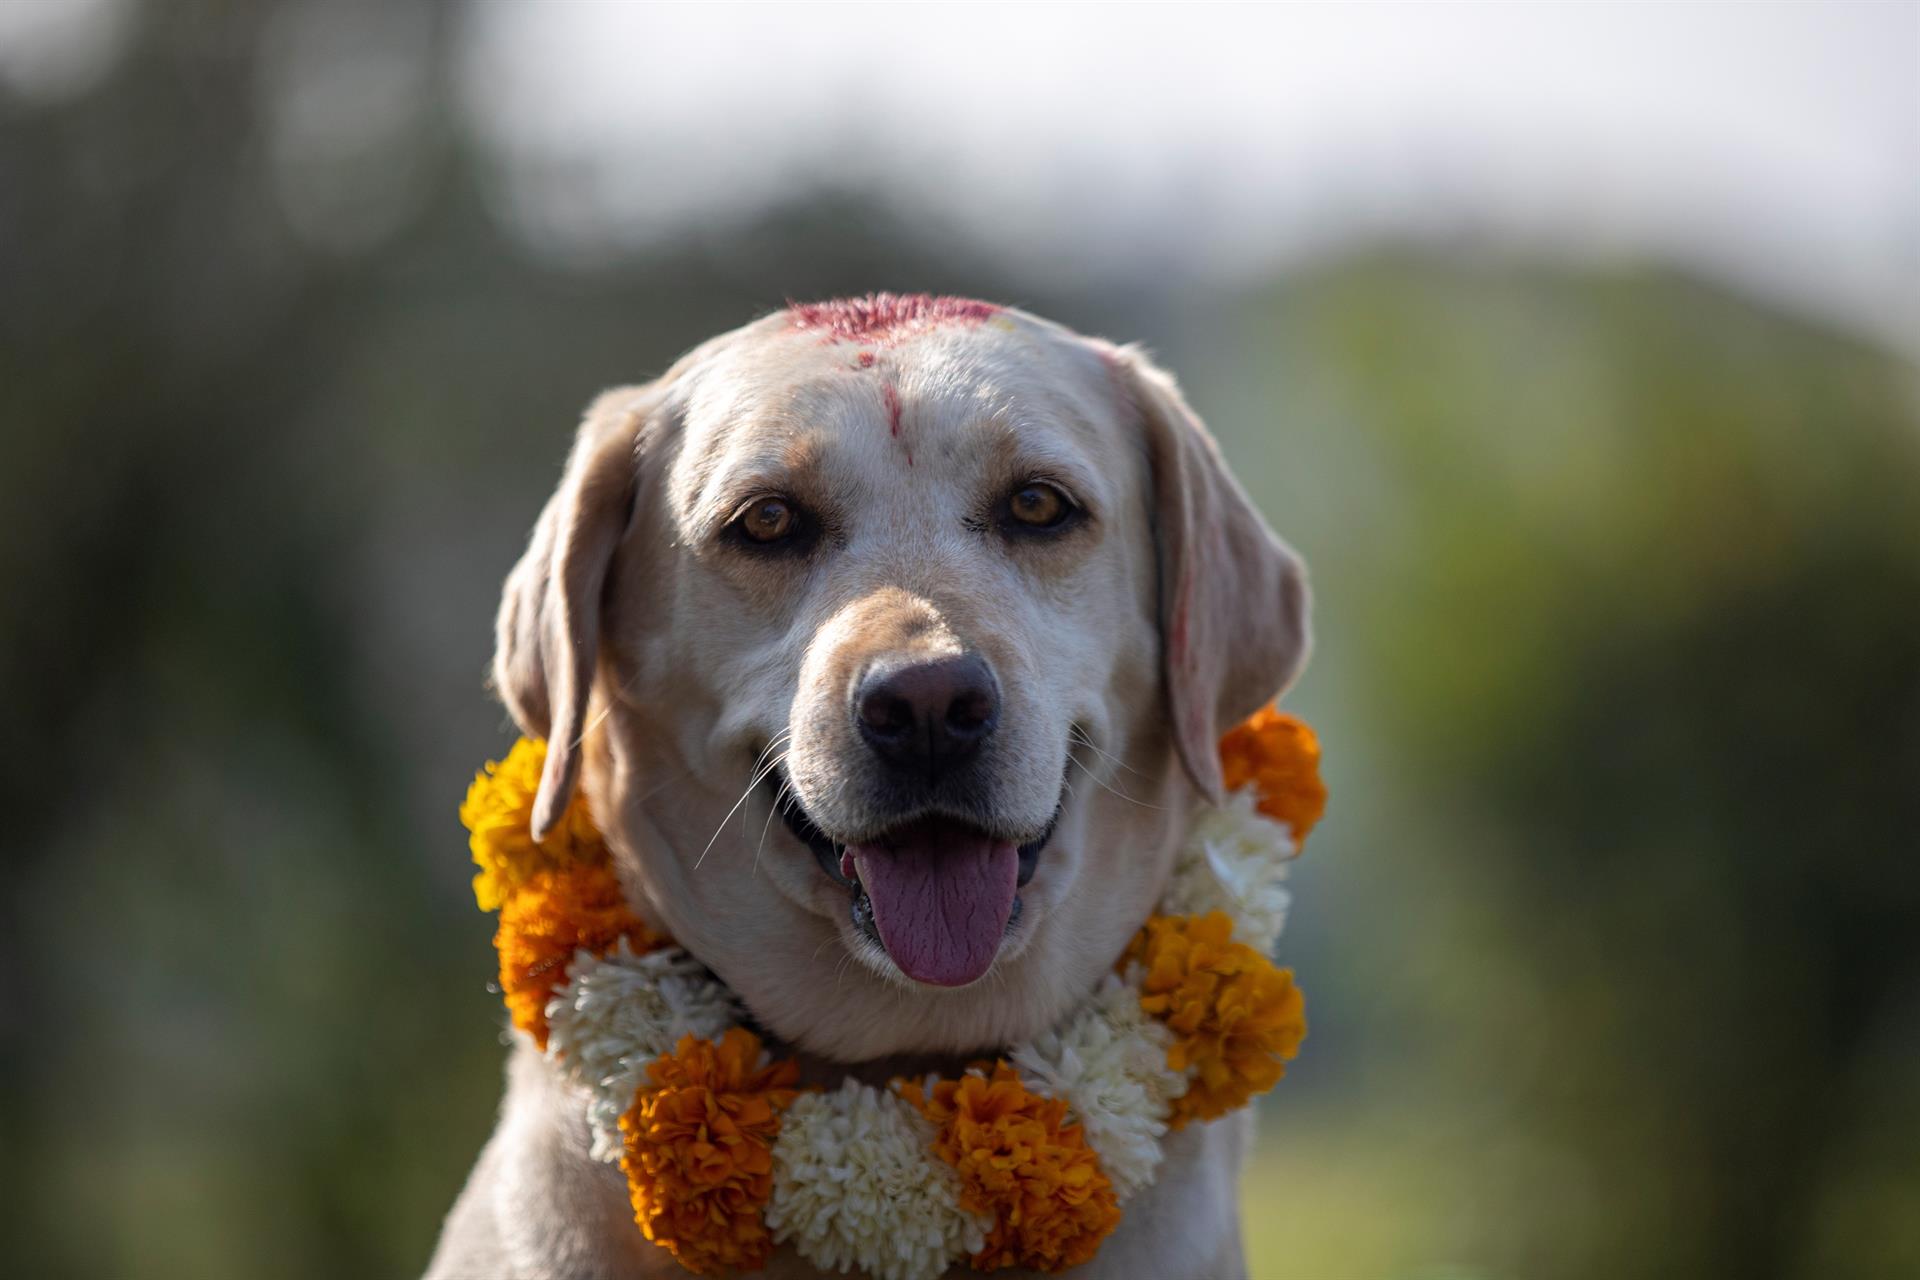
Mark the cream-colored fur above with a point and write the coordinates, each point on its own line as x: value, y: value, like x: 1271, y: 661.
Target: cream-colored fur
x: 665, y: 663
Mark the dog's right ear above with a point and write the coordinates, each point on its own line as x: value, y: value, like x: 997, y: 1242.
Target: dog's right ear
x: 547, y: 638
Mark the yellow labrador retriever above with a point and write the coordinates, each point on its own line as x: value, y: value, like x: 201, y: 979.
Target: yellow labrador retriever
x: 891, y: 639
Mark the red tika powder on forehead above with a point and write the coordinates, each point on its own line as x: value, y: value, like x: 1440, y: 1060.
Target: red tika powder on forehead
x: 882, y: 316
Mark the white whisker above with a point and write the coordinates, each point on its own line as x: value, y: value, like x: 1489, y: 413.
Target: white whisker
x: 1098, y: 782
x: 779, y: 797
x: 830, y: 939
x: 759, y: 776
x: 1081, y: 737
x: 653, y: 791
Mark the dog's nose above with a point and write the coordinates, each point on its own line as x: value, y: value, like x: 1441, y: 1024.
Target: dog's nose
x: 928, y: 716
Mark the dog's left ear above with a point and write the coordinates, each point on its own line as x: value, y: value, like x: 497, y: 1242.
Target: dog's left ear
x: 548, y: 633
x: 1233, y: 597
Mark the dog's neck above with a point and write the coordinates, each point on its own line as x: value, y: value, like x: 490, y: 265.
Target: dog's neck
x: 827, y: 1073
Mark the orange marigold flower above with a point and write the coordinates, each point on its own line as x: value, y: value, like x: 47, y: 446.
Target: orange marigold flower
x: 1020, y: 1161
x: 1280, y: 755
x: 554, y: 914
x: 1236, y: 1018
x: 699, y: 1141
x: 498, y: 814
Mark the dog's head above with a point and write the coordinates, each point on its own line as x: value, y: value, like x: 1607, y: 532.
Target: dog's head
x: 893, y: 639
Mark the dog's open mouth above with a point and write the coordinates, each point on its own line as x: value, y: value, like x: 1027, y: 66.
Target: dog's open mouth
x: 937, y: 893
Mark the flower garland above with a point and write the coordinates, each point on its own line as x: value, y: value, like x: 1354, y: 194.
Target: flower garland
x: 1021, y: 1162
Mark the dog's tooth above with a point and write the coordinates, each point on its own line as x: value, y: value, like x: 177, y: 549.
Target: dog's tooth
x: 860, y: 910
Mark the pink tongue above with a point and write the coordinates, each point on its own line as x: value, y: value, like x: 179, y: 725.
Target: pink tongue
x: 941, y: 897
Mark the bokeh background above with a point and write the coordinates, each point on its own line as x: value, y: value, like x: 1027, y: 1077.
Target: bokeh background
x: 1573, y: 345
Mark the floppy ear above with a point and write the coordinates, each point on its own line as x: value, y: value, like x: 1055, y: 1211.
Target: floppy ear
x: 1233, y: 597
x: 548, y: 634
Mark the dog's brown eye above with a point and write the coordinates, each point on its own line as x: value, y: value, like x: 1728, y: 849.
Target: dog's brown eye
x: 1038, y: 506
x: 768, y: 520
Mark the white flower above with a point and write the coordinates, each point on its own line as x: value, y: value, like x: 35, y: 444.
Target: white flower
x: 1235, y: 860
x: 856, y: 1184
x: 1108, y: 1063
x: 615, y: 1015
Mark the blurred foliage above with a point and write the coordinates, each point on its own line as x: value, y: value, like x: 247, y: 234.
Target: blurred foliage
x: 1629, y: 614
x: 1612, y: 941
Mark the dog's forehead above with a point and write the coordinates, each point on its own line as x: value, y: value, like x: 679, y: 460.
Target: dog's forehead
x: 931, y: 388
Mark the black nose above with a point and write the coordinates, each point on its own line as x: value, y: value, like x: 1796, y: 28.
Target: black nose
x: 928, y: 716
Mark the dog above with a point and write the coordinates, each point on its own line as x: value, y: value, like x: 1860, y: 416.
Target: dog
x: 890, y: 640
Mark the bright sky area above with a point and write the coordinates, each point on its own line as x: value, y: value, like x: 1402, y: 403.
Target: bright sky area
x: 1774, y: 146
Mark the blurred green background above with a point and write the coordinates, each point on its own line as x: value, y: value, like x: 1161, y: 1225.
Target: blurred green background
x: 1611, y: 938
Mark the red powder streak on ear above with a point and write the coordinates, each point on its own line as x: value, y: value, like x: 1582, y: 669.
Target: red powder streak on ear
x: 880, y: 317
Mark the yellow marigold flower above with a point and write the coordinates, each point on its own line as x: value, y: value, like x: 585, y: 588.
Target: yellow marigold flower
x: 1021, y: 1162
x: 1280, y: 755
x: 1236, y: 1019
x: 499, y: 815
x: 699, y: 1141
x: 554, y: 914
